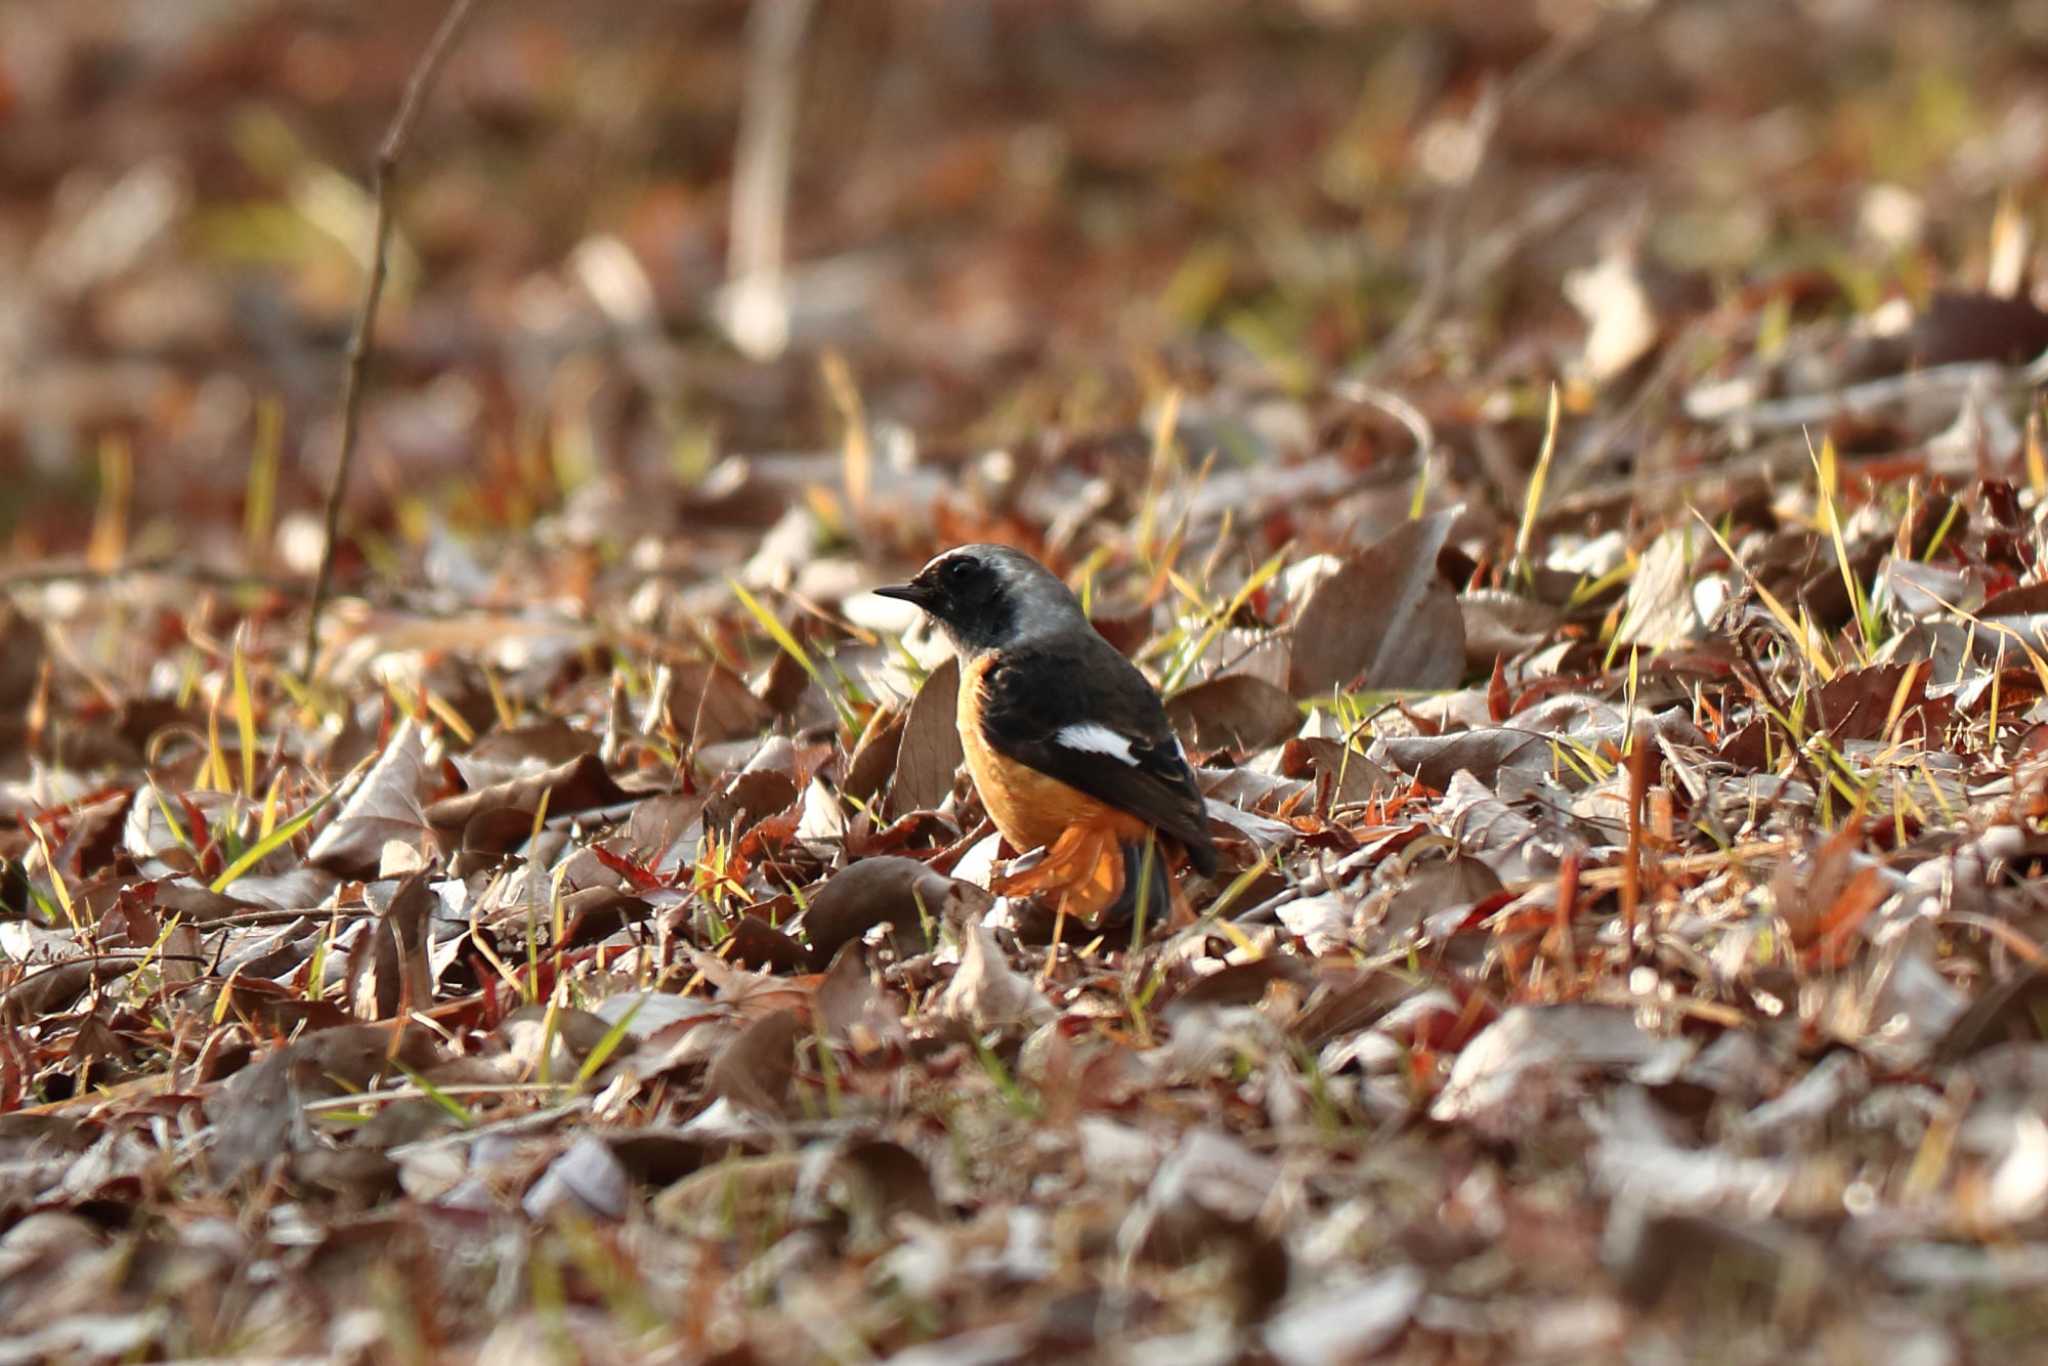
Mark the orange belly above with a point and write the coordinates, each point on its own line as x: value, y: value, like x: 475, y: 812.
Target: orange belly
x: 1030, y: 808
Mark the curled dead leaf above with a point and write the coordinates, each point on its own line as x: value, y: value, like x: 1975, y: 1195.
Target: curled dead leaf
x: 1386, y: 618
x: 749, y: 798
x: 852, y: 1008
x: 1506, y: 1075
x: 384, y: 806
x: 709, y: 703
x: 1236, y: 711
x: 758, y: 944
x: 387, y: 967
x: 987, y: 993
x: 930, y: 753
x: 587, y: 1177
x: 754, y: 1070
x: 887, y: 890
x: 887, y: 1179
x: 259, y: 1110
x: 579, y: 784
x: 1346, y: 775
x: 1484, y: 753
x: 518, y: 752
x: 874, y: 758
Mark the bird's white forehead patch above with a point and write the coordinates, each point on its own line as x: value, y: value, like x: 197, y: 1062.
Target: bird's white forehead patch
x: 1091, y: 737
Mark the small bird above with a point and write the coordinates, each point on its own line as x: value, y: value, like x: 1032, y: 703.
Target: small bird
x: 1067, y: 742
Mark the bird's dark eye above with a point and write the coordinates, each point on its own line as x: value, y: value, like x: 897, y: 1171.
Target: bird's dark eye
x: 958, y: 571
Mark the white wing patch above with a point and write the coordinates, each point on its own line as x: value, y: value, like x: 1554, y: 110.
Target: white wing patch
x: 1093, y: 738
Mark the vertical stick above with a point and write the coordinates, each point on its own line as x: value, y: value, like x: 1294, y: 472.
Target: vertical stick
x: 360, y: 343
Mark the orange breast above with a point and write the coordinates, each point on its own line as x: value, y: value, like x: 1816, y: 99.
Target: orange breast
x: 1030, y: 808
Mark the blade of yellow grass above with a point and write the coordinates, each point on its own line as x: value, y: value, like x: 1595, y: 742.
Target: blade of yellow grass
x: 777, y: 632
x: 171, y: 819
x: 1948, y: 520
x: 225, y: 1001
x: 461, y: 1112
x: 1827, y: 470
x: 540, y: 815
x: 245, y: 717
x: 213, y: 772
x: 268, y: 845
x: 1218, y: 621
x: 267, y: 822
x: 482, y: 944
x: 1525, y: 535
x: 1084, y: 577
x: 789, y: 645
x: 1229, y: 930
x: 163, y: 936
x: 1899, y: 696
x: 1997, y: 677
x: 57, y: 883
x: 404, y: 698
x: 608, y: 1044
x: 450, y: 717
x: 1419, y: 503
x: 1155, y: 482
x: 110, y: 519
x: 1795, y: 628
x: 1212, y: 918
x: 499, y: 702
x: 550, y: 1026
x: 1999, y: 629
x: 857, y: 452
x: 1588, y: 589
x: 2011, y: 246
x: 2037, y: 464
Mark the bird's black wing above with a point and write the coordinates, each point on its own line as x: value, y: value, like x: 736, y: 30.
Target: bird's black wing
x: 1082, y: 713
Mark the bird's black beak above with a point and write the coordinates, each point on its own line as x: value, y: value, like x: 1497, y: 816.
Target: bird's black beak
x: 907, y: 592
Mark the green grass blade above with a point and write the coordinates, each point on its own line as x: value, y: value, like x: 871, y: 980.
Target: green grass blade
x: 609, y: 1044
x: 268, y: 845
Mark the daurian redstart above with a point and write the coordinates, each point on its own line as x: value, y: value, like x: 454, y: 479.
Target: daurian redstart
x: 1067, y: 742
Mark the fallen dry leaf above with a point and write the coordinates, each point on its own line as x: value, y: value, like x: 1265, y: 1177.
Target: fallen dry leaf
x: 755, y: 1068
x: 385, y: 806
x: 986, y: 993
x: 1387, y: 619
x: 901, y: 892
x: 1236, y: 711
x: 929, y: 754
x: 1629, y: 936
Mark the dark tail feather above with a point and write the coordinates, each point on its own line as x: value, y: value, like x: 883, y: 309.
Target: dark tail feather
x: 1146, y: 882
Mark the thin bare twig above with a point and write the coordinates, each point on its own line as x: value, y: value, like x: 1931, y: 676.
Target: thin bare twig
x: 360, y: 345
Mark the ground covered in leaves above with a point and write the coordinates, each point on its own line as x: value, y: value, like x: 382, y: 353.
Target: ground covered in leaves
x: 1574, y: 470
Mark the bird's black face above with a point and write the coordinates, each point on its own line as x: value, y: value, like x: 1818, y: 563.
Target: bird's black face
x: 968, y: 594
